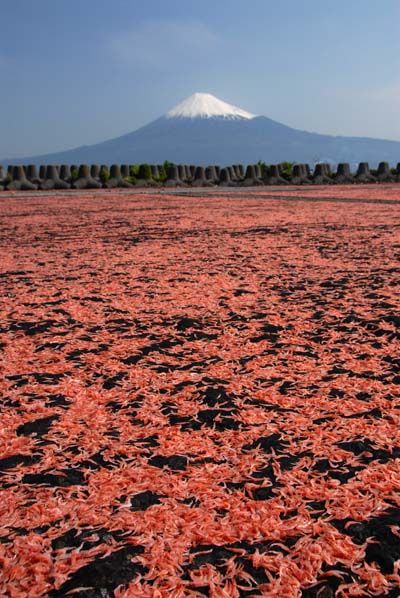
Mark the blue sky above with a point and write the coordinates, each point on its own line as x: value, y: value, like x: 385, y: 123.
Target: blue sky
x: 75, y: 72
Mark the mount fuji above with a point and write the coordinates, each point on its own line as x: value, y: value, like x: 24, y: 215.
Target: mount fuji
x: 205, y: 130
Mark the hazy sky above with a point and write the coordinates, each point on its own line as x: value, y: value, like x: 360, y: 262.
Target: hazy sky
x: 75, y: 72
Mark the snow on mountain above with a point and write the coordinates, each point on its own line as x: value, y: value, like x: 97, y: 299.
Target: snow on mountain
x: 205, y: 105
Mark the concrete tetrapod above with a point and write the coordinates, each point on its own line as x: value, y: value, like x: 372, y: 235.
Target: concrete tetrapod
x: 85, y: 180
x: 251, y: 179
x: 235, y: 169
x: 32, y: 174
x: 211, y: 175
x: 95, y: 171
x: 200, y: 179
x: 42, y: 171
x: 19, y: 181
x: 189, y: 176
x: 233, y: 175
x: 343, y: 174
x: 26, y: 177
x: 155, y: 172
x: 241, y: 171
x: 52, y: 180
x: 306, y: 170
x: 183, y: 173
x: 2, y: 177
x: 125, y: 171
x: 363, y: 174
x: 384, y: 175
x: 274, y: 176
x: 9, y: 175
x: 143, y: 176
x: 65, y: 173
x: 116, y: 179
x: 299, y: 175
x: 225, y: 178
x: 321, y: 175
x: 257, y: 170
x: 173, y: 179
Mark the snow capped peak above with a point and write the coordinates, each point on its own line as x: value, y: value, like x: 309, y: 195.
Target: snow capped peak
x: 205, y: 105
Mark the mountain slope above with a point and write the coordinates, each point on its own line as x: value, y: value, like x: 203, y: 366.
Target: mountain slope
x: 205, y: 130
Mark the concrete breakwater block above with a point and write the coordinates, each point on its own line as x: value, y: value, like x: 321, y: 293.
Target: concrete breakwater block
x: 306, y: 170
x: 65, y: 173
x: 343, y: 174
x: 233, y: 173
x: 225, y: 178
x: 240, y: 171
x: 251, y: 179
x: 2, y: 177
x: 200, y: 179
x: 235, y: 176
x: 95, y: 171
x: 321, y: 175
x: 184, y: 173
x: 211, y: 175
x: 300, y: 175
x: 155, y: 171
x: 384, y: 174
x: 85, y: 180
x: 274, y: 176
x: 54, y: 176
x: 32, y: 174
x: 125, y: 171
x: 145, y: 177
x: 52, y: 180
x: 363, y: 174
x: 173, y: 178
x: 19, y: 181
x: 116, y: 179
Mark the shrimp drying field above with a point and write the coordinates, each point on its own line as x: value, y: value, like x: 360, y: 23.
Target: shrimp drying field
x: 200, y: 393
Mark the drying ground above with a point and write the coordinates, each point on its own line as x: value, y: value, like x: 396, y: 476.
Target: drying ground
x: 200, y: 394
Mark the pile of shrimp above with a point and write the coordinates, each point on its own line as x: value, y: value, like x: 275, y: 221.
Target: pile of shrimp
x: 200, y: 395
x: 384, y: 193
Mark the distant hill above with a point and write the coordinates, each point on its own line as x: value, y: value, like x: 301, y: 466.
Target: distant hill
x: 204, y: 130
